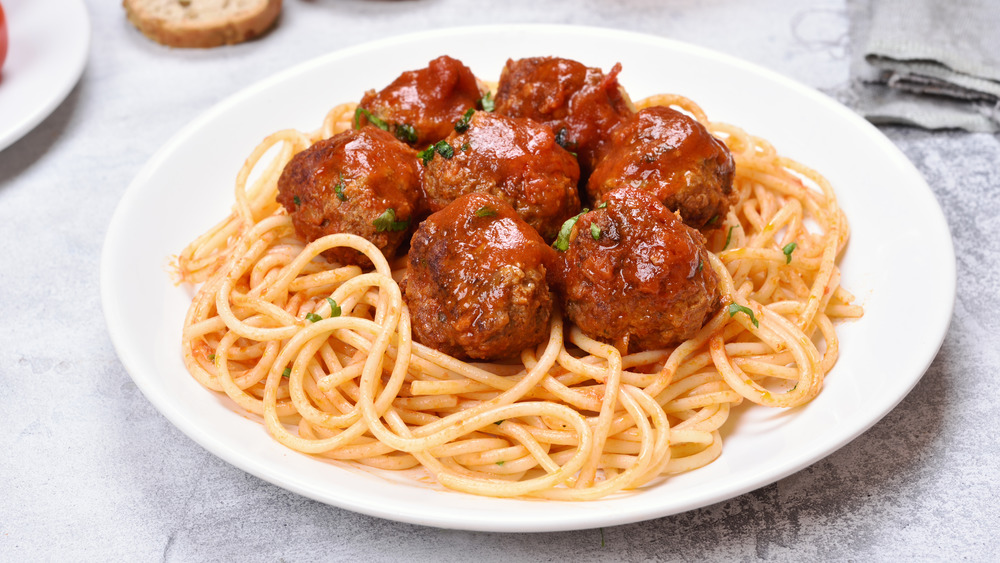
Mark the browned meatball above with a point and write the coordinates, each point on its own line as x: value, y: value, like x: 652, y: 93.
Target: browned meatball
x: 634, y: 275
x: 674, y: 158
x: 514, y: 159
x: 363, y: 182
x: 476, y: 280
x: 582, y: 105
x: 422, y: 106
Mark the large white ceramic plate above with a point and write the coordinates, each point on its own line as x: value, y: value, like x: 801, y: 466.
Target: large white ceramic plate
x: 48, y: 45
x: 900, y: 263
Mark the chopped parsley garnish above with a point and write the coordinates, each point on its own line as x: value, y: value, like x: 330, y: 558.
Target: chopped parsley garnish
x: 712, y: 220
x: 441, y: 147
x: 334, y: 308
x: 387, y: 222
x: 737, y: 308
x: 426, y: 155
x: 313, y: 317
x: 602, y: 205
x: 485, y: 212
x: 287, y: 373
x: 498, y: 423
x: 562, y: 241
x: 466, y: 146
x: 372, y: 118
x: 297, y: 201
x: 500, y: 462
x: 595, y: 231
x: 406, y: 133
x: 701, y: 265
x: 486, y: 102
x: 463, y: 124
x: 338, y: 190
x: 788, y: 250
x: 444, y: 149
x: 729, y: 237
x: 211, y: 357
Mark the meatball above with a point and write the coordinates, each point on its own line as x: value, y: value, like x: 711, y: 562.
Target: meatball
x: 514, y: 159
x: 675, y: 159
x: 634, y: 275
x: 362, y: 182
x: 582, y: 105
x: 422, y: 106
x: 476, y: 280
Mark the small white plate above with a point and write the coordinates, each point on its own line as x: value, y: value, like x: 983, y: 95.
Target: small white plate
x: 47, y: 50
x: 899, y: 262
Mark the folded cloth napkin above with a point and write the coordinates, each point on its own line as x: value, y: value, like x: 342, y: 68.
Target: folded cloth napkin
x: 929, y: 63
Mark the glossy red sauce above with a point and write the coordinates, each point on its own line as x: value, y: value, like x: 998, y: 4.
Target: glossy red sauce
x: 515, y: 159
x: 430, y: 100
x: 582, y: 105
x: 674, y: 158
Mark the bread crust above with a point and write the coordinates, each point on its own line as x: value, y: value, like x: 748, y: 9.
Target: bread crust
x: 234, y: 26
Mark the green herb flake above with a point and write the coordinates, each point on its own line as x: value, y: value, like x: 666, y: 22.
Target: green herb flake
x: 562, y: 241
x: 387, y: 222
x: 211, y: 357
x: 466, y: 146
x: 313, y: 317
x: 334, y: 308
x: 426, y: 155
x: 500, y: 463
x: 372, y: 118
x: 602, y: 537
x: 729, y: 237
x: 338, y: 190
x: 788, y: 250
x: 737, y: 308
x: 406, y: 133
x: 602, y: 205
x: 498, y: 423
x: 486, y: 102
x: 712, y: 220
x: 444, y: 149
x: 485, y: 211
x: 297, y: 201
x: 463, y: 124
x: 701, y: 265
x: 287, y: 373
x: 595, y: 231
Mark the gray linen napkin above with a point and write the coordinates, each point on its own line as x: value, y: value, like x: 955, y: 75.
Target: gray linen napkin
x: 929, y: 63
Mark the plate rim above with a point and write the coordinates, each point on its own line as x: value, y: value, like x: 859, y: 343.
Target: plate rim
x: 56, y: 97
x: 231, y: 455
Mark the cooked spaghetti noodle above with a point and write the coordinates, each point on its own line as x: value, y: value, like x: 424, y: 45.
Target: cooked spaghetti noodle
x: 574, y: 419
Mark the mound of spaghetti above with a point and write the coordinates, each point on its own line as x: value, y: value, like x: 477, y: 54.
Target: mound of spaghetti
x: 323, y: 351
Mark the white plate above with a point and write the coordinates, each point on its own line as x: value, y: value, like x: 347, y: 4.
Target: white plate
x: 47, y: 50
x: 900, y: 263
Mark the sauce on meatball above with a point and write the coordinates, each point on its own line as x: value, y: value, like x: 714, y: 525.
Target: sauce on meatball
x: 514, y: 159
x: 363, y: 182
x: 582, y: 105
x: 422, y: 106
x: 634, y: 275
x: 675, y: 159
x: 476, y: 280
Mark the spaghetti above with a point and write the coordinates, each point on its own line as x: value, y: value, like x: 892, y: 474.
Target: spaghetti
x: 323, y: 353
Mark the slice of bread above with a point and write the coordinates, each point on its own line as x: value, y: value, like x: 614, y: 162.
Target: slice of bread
x: 202, y: 23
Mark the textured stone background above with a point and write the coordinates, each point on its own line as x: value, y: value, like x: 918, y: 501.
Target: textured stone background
x: 89, y: 469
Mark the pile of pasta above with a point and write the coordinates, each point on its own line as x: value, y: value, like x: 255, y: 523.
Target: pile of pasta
x: 324, y: 355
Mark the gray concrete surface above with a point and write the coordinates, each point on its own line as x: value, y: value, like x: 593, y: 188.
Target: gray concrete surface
x: 90, y: 470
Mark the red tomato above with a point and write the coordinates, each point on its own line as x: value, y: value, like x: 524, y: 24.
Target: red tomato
x: 3, y: 36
